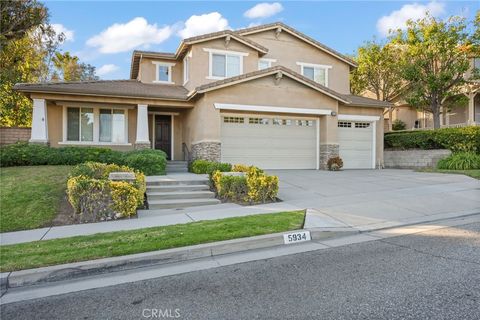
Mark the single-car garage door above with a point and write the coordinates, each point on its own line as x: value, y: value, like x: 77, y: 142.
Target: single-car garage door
x: 356, y: 144
x: 269, y: 142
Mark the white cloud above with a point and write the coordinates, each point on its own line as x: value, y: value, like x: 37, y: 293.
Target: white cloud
x: 60, y: 28
x: 205, y: 23
x: 106, y: 69
x: 263, y: 10
x: 398, y: 18
x: 121, y: 37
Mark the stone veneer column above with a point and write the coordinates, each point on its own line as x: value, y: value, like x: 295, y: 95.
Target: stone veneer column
x: 206, y: 150
x: 327, y: 151
x: 39, y: 122
x: 142, y: 140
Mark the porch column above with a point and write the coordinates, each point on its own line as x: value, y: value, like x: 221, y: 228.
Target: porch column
x: 142, y: 141
x: 471, y: 108
x: 39, y: 122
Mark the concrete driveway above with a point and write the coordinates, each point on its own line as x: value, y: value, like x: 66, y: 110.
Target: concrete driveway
x: 366, y: 198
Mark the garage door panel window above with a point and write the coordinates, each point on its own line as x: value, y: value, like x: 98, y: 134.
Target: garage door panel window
x: 259, y: 121
x: 282, y: 122
x: 233, y: 120
x: 362, y: 125
x: 305, y: 123
x: 344, y: 124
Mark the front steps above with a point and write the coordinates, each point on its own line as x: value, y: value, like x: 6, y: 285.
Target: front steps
x: 178, y: 191
x: 177, y: 166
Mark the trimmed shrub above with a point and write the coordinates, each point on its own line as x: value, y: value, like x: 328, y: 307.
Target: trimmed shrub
x: 335, y: 163
x: 398, y: 125
x: 208, y: 167
x: 465, y: 139
x: 254, y: 186
x: 240, y: 168
x: 96, y: 198
x: 151, y: 162
x: 460, y: 161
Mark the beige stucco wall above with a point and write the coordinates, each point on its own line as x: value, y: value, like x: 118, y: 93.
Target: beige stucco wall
x: 148, y: 70
x: 199, y: 60
x: 368, y: 111
x: 288, y: 50
x: 202, y: 123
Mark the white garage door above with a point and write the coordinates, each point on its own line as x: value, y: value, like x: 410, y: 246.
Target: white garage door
x: 268, y: 142
x: 356, y: 144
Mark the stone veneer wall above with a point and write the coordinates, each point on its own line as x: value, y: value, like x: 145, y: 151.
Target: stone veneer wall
x: 13, y: 135
x: 327, y: 151
x: 206, y: 150
x: 411, y: 159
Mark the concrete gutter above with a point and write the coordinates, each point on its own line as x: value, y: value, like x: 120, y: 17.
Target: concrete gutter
x: 30, y: 277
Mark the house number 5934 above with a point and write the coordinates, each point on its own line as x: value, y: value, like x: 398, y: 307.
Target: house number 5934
x: 296, y: 237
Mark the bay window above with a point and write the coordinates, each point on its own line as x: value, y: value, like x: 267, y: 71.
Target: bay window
x: 315, y: 72
x: 224, y: 64
x: 95, y: 125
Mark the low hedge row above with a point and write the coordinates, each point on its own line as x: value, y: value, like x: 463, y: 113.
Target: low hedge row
x: 150, y: 162
x: 460, y: 161
x: 465, y: 139
x: 95, y: 197
x: 250, y: 185
x: 208, y: 167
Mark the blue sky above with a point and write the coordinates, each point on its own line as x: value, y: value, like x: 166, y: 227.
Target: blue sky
x: 105, y: 33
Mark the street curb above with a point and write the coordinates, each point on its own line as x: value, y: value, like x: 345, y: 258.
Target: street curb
x: 30, y: 277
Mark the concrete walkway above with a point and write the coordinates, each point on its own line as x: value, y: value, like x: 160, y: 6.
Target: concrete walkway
x: 351, y: 199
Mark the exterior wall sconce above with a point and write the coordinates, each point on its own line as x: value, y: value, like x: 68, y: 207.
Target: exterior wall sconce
x: 333, y: 114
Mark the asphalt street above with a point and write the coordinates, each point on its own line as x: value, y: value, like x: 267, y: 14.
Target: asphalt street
x: 428, y: 275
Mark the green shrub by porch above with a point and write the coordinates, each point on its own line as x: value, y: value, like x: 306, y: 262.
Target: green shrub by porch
x: 465, y: 139
x: 150, y: 162
x: 208, y: 167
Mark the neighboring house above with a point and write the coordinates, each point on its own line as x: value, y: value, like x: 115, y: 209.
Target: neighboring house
x: 457, y: 116
x: 268, y: 95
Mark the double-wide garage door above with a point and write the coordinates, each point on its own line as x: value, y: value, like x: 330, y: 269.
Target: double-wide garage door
x: 356, y: 144
x: 269, y: 142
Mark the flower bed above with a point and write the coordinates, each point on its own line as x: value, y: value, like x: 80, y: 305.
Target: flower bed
x: 96, y: 198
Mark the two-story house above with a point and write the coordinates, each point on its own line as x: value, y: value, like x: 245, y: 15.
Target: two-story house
x: 268, y: 95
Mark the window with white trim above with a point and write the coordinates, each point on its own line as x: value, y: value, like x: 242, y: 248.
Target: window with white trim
x: 186, y: 69
x: 258, y: 121
x: 163, y: 73
x: 344, y: 124
x: 80, y: 124
x: 282, y: 122
x: 225, y: 65
x: 233, y: 120
x: 315, y: 72
x: 96, y: 125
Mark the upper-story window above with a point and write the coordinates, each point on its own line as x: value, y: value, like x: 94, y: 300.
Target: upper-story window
x: 476, y: 63
x: 186, y: 69
x: 265, y: 63
x: 163, y: 72
x: 223, y: 64
x: 315, y: 72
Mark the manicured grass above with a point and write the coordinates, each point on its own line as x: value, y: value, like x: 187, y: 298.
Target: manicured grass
x: 58, y: 251
x: 30, y: 196
x: 471, y: 173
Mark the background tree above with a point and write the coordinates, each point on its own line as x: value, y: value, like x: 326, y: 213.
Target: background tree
x: 436, y: 53
x: 19, y: 17
x: 379, y: 72
x: 68, y: 68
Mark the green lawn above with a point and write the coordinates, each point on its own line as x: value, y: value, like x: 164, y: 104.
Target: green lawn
x: 471, y: 173
x: 30, y: 196
x: 81, y: 248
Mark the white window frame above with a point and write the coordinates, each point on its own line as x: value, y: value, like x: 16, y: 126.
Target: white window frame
x: 96, y: 127
x: 315, y: 67
x: 222, y: 52
x: 186, y: 68
x: 269, y: 61
x: 159, y: 64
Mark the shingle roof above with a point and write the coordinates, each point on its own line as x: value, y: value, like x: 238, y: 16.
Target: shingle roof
x: 360, y: 101
x: 268, y: 71
x: 300, y: 35
x: 119, y: 88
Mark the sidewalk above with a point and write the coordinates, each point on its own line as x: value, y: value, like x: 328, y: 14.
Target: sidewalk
x: 146, y: 219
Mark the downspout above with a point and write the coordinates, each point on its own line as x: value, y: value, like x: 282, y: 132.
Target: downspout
x: 139, y: 68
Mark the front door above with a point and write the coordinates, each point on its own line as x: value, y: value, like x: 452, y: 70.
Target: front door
x: 163, y: 134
